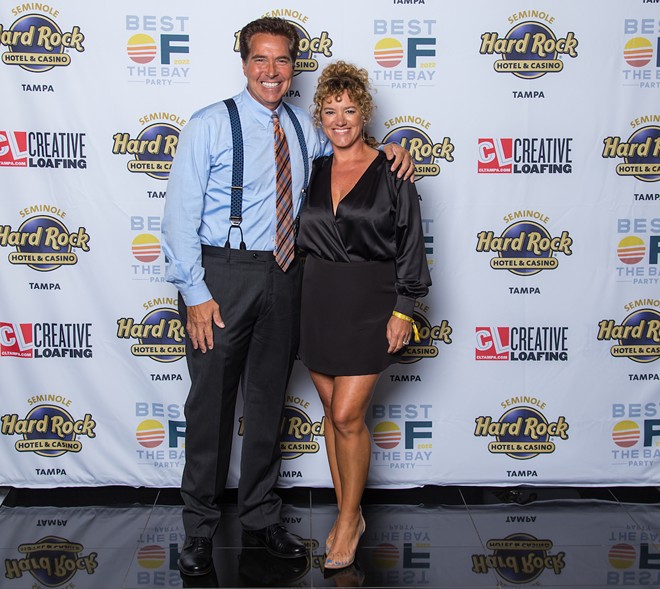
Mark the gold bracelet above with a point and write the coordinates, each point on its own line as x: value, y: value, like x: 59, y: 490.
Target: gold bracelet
x: 409, y: 320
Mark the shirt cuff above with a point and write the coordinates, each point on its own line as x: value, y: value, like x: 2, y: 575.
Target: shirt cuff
x: 196, y: 295
x: 405, y: 305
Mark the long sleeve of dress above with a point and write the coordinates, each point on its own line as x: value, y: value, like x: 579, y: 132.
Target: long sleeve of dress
x: 412, y: 272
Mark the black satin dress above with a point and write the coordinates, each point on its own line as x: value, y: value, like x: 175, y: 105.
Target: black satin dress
x: 362, y: 263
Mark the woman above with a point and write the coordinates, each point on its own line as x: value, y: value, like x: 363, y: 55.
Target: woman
x: 366, y: 266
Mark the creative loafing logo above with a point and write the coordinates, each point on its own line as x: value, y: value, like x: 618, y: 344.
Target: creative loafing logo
x: 405, y: 53
x: 525, y: 155
x: 640, y: 152
x: 429, y: 336
x: 52, y: 561
x: 42, y: 241
x: 530, y: 49
x: 522, y: 343
x: 43, y: 149
x: 635, y: 435
x: 310, y: 47
x: 46, y: 340
x: 159, y: 335
x: 637, y: 335
x: 49, y: 429
x: 402, y: 435
x: 411, y: 132
x: 158, y: 49
x: 522, y: 432
x: 298, y: 431
x: 35, y: 41
x: 520, y: 558
x: 641, y: 52
x: 525, y: 247
x: 638, y: 250
x: 147, y: 264
x: 154, y: 147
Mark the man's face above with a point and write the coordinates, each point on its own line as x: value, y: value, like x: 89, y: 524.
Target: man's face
x: 268, y: 69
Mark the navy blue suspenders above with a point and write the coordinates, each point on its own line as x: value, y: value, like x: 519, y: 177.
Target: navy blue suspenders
x: 236, y: 212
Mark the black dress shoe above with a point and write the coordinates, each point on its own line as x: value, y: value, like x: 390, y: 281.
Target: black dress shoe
x: 196, y: 557
x: 277, y: 541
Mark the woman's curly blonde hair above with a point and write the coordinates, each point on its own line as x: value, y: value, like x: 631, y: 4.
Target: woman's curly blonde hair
x: 336, y: 78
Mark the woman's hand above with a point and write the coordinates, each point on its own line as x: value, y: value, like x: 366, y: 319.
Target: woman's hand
x: 398, y: 334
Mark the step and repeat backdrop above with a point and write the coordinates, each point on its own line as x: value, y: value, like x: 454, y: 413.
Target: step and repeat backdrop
x: 535, y: 128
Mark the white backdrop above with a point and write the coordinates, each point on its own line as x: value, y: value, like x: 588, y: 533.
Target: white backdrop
x: 536, y: 131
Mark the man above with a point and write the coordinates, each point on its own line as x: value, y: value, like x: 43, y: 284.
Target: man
x: 239, y: 286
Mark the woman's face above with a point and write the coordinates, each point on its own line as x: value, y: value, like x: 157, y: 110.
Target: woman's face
x: 341, y: 121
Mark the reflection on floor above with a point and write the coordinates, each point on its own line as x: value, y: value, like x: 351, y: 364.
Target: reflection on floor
x: 464, y: 537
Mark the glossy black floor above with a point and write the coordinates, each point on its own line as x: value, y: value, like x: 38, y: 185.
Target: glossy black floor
x: 467, y: 537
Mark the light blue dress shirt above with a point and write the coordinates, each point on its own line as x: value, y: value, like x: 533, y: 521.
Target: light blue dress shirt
x: 198, y: 202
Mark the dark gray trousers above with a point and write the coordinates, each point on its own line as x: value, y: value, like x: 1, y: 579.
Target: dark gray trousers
x: 260, y: 306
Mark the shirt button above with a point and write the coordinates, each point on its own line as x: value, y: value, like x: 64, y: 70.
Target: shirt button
x: 254, y: 256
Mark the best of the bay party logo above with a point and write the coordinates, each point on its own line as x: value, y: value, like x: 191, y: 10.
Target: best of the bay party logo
x: 402, y: 435
x: 35, y: 42
x: 638, y: 250
x: 522, y: 431
x: 309, y: 47
x: 146, y: 249
x: 49, y: 429
x: 635, y: 434
x: 638, y: 334
x: 404, y: 52
x: 640, y: 152
x: 159, y: 335
x: 399, y: 549
x: 158, y: 49
x: 632, y: 554
x: 52, y: 561
x: 42, y: 241
x: 411, y: 132
x: 526, y: 247
x: 158, y: 550
x: 530, y: 49
x: 160, y: 434
x: 154, y: 147
x: 641, y: 52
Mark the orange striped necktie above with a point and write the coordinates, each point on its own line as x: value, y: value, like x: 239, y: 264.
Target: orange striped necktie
x: 284, y: 234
